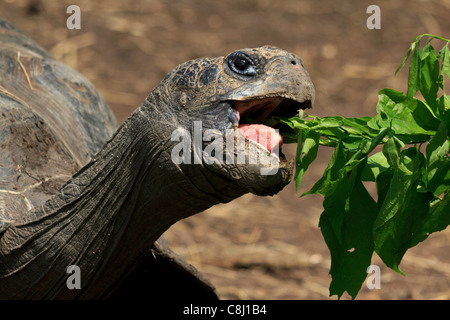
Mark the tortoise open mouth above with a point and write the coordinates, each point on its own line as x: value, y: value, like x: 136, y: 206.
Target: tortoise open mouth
x: 253, y: 114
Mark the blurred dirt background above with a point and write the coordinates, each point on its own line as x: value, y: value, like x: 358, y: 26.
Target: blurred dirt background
x: 253, y: 247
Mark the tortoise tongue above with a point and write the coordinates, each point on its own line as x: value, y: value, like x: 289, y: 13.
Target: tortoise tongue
x: 266, y: 136
x: 259, y: 109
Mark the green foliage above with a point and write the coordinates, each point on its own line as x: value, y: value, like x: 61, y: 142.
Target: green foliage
x: 410, y: 172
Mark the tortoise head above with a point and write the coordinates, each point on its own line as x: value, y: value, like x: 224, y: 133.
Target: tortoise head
x: 216, y: 109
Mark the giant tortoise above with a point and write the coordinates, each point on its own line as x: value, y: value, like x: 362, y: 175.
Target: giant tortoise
x: 77, y: 189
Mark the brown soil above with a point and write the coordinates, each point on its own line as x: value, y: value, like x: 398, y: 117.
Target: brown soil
x: 255, y: 248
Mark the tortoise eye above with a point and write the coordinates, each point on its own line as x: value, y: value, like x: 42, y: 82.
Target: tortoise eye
x: 241, y: 64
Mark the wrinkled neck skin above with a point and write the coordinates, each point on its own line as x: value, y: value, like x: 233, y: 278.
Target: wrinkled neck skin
x: 108, y: 215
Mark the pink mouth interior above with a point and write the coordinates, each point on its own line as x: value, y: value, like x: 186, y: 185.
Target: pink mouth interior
x: 263, y: 135
x: 260, y: 109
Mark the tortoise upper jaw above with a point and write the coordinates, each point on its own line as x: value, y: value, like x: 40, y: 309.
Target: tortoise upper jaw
x: 260, y: 109
x: 284, y: 89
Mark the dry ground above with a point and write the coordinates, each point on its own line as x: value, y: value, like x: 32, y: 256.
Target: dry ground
x: 255, y: 248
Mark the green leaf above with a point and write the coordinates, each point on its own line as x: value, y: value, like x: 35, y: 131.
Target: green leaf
x: 444, y: 55
x: 404, y: 116
x: 429, y: 76
x: 446, y: 103
x: 332, y: 172
x: 438, y: 163
x: 306, y: 154
x: 437, y: 220
x: 414, y: 70
x: 394, y: 238
x: 408, y: 53
x: 383, y: 182
x: 351, y: 250
x: 360, y: 124
x: 352, y: 142
x: 393, y: 201
x: 334, y: 204
x: 376, y: 164
x: 437, y: 149
x: 444, y: 109
x: 299, y: 123
x: 367, y: 146
x: 412, y: 188
x: 402, y: 207
x: 328, y: 122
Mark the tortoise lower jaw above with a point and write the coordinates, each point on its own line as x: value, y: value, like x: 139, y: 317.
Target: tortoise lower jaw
x: 271, y: 184
x: 253, y: 114
x: 249, y: 166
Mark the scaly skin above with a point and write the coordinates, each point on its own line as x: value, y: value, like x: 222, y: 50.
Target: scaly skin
x: 108, y: 214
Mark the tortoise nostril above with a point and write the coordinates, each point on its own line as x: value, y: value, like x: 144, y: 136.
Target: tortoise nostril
x: 293, y: 62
